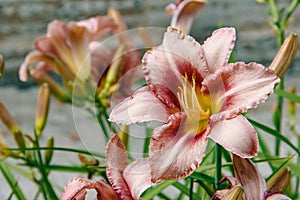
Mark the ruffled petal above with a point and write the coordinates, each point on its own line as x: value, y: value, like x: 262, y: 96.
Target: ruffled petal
x: 140, y: 107
x: 251, y: 180
x: 76, y: 189
x: 116, y: 161
x: 175, y: 151
x: 239, y: 87
x: 218, y: 48
x: 138, y: 177
x: 179, y: 55
x: 278, y: 197
x: 184, y: 14
x: 236, y: 135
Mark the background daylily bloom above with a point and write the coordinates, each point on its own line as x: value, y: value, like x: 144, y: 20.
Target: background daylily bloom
x: 184, y: 12
x: 198, y: 95
x: 128, y: 182
x: 247, y: 176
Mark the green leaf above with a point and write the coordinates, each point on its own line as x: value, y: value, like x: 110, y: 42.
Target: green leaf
x: 152, y: 192
x: 288, y: 95
x: 184, y: 189
x: 202, y: 177
x: 11, y: 181
x: 274, y: 133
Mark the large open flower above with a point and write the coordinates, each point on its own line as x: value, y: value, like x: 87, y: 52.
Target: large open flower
x: 198, y: 95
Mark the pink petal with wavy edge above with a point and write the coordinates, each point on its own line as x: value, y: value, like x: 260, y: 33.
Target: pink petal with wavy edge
x: 76, y: 189
x: 246, y: 173
x: 218, y: 47
x: 236, y: 135
x: 166, y: 65
x: 239, y: 87
x: 138, y: 177
x: 278, y: 197
x: 184, y: 14
x: 140, y: 107
x: 175, y: 150
x: 117, y: 161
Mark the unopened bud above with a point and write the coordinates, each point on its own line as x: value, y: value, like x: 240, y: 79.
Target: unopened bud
x: 235, y: 192
x: 285, y: 55
x: 49, y: 152
x: 12, y: 125
x: 112, y: 75
x: 43, y: 101
x: 88, y: 160
x: 3, y: 145
x: 280, y: 181
x: 123, y: 134
x: 292, y: 109
x: 1, y: 66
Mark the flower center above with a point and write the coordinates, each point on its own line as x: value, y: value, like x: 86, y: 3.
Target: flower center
x: 195, y: 103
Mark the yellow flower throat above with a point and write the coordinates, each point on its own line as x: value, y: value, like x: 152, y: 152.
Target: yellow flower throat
x: 196, y: 104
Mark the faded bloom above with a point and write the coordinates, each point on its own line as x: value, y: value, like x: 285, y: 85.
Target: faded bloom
x: 248, y: 177
x: 128, y: 181
x: 184, y: 12
x: 198, y: 95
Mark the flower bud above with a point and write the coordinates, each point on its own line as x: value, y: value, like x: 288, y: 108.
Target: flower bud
x: 123, y: 134
x: 285, y: 55
x: 49, y: 152
x: 292, y: 109
x: 280, y: 181
x: 3, y: 145
x: 112, y: 75
x: 43, y: 101
x: 12, y: 126
x: 1, y: 65
x: 235, y: 192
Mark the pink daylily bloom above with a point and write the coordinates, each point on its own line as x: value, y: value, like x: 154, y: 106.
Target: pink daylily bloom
x: 247, y: 175
x: 68, y: 47
x: 198, y: 95
x: 184, y: 12
x: 128, y: 181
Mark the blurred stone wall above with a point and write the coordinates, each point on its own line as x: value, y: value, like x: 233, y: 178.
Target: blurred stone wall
x: 21, y: 21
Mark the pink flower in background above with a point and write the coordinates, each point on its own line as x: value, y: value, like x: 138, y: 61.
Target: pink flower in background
x: 65, y: 48
x: 128, y: 181
x: 184, y: 13
x: 198, y: 95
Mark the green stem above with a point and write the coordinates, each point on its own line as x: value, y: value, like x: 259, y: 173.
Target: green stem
x: 191, y: 188
x: 46, y: 185
x: 218, y: 157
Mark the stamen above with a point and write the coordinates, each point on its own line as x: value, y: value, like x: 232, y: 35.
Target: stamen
x: 189, y: 97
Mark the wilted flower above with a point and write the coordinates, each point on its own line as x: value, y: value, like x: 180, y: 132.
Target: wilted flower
x: 184, y: 12
x: 128, y: 181
x: 199, y: 95
x: 247, y: 176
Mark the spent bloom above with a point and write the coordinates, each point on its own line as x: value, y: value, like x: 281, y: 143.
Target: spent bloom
x: 254, y: 186
x: 128, y: 181
x: 198, y: 95
x: 184, y: 13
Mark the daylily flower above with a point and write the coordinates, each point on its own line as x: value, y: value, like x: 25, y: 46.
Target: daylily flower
x: 66, y: 51
x: 127, y: 181
x: 184, y: 12
x: 248, y: 177
x: 198, y: 95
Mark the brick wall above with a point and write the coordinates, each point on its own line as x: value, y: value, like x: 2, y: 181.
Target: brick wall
x: 21, y: 21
